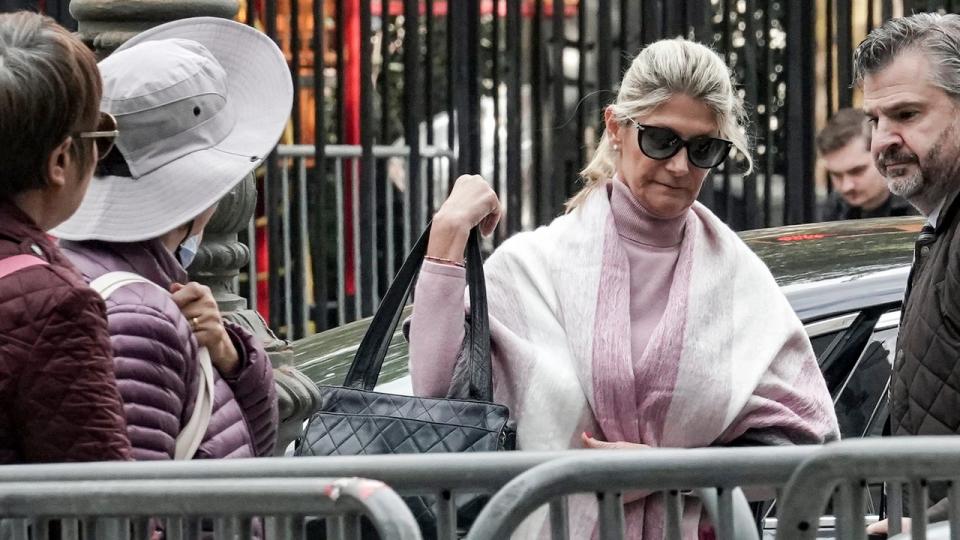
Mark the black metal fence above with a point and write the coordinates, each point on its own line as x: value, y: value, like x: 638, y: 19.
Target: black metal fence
x: 514, y: 89
x: 525, y: 84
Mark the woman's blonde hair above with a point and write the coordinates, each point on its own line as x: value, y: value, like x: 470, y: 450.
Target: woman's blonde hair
x: 662, y: 70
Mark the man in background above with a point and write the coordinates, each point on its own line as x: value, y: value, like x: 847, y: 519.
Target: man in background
x: 859, y: 190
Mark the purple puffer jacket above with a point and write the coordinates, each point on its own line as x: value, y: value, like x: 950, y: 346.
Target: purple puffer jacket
x: 155, y: 355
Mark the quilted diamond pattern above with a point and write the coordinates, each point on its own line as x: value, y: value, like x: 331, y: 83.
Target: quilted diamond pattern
x: 353, y: 422
x: 356, y: 422
x: 925, y: 387
x: 58, y: 395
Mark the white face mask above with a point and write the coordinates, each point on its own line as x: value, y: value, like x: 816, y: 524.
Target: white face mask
x: 187, y: 251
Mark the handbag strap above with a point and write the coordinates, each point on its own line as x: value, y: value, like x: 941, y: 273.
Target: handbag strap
x: 365, y: 369
x: 15, y: 263
x: 192, y: 433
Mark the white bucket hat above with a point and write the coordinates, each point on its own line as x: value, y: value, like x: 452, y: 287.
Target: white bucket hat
x: 199, y: 104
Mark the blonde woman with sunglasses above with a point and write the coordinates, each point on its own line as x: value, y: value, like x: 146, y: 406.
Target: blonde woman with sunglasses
x: 637, y: 319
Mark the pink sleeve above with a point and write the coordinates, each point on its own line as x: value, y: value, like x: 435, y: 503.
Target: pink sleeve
x: 436, y: 328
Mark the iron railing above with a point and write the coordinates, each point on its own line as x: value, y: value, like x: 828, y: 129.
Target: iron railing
x: 516, y: 89
x: 300, y: 246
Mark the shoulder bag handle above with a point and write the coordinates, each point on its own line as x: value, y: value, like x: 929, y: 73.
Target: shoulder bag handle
x: 365, y: 369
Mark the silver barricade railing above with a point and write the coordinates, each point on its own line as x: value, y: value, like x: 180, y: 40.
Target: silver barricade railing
x: 441, y: 475
x: 610, y: 473
x: 121, y: 508
x: 845, y: 468
x: 447, y: 475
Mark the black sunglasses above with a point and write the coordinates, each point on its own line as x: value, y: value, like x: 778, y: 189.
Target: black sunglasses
x: 664, y: 143
x: 104, y: 136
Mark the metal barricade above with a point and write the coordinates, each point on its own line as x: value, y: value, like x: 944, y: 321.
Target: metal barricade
x: 610, y: 473
x: 135, y: 508
x: 845, y: 468
x: 447, y: 476
x: 442, y: 475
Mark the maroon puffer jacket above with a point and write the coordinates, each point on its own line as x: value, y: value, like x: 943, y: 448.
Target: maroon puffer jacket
x: 58, y: 395
x: 155, y: 353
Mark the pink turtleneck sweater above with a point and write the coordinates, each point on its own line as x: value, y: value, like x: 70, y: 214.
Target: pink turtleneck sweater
x: 652, y: 246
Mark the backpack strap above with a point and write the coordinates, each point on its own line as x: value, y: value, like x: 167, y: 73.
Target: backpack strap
x: 191, y: 433
x: 16, y: 263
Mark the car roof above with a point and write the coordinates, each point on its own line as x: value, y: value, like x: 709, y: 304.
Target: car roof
x: 837, y: 267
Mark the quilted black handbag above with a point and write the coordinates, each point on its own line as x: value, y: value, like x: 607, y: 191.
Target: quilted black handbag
x: 354, y: 420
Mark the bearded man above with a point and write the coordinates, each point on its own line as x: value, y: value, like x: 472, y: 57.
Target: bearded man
x: 909, y: 70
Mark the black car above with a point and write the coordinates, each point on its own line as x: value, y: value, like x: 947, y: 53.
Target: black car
x: 845, y: 280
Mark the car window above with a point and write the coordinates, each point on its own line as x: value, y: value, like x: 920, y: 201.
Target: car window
x: 860, y: 404
x: 823, y: 332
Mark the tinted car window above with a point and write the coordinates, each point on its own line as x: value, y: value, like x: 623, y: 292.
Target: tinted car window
x: 860, y: 400
x: 821, y: 342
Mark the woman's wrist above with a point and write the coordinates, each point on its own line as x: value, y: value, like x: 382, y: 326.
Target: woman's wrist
x: 225, y: 357
x: 448, y: 237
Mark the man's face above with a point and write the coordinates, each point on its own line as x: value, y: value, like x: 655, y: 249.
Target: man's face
x: 915, y: 127
x: 854, y: 176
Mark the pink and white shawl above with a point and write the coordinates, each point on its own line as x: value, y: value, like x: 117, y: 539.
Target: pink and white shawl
x: 729, y: 359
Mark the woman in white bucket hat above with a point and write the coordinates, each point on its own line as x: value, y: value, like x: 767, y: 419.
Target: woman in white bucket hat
x: 199, y: 103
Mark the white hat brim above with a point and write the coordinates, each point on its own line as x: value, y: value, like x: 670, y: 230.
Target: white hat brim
x: 259, y: 87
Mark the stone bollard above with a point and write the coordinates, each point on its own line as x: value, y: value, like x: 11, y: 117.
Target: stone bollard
x: 105, y: 25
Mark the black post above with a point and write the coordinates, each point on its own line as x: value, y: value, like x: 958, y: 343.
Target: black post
x: 800, y: 113
x: 750, y: 88
x: 844, y: 54
x: 368, y: 178
x: 628, y: 44
x: 295, y: 64
x: 413, y: 107
x: 651, y: 17
x: 428, y: 97
x: 725, y: 208
x: 673, y: 18
x: 537, y: 97
x: 586, y: 103
x: 318, y: 193
x: 385, y: 207
x: 831, y: 40
x: 514, y: 125
x: 466, y: 15
x: 559, y: 174
x: 604, y: 50
x: 769, y: 156
x: 275, y: 212
x: 495, y: 77
x: 699, y: 18
x: 299, y: 259
x: 340, y: 104
x: 452, y: 30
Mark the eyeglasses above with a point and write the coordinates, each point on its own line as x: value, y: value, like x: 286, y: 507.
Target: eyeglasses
x: 664, y: 143
x: 104, y: 136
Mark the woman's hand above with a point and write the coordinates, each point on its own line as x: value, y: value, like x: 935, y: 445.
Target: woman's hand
x: 198, y: 306
x: 590, y: 442
x: 881, y: 528
x: 472, y: 202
